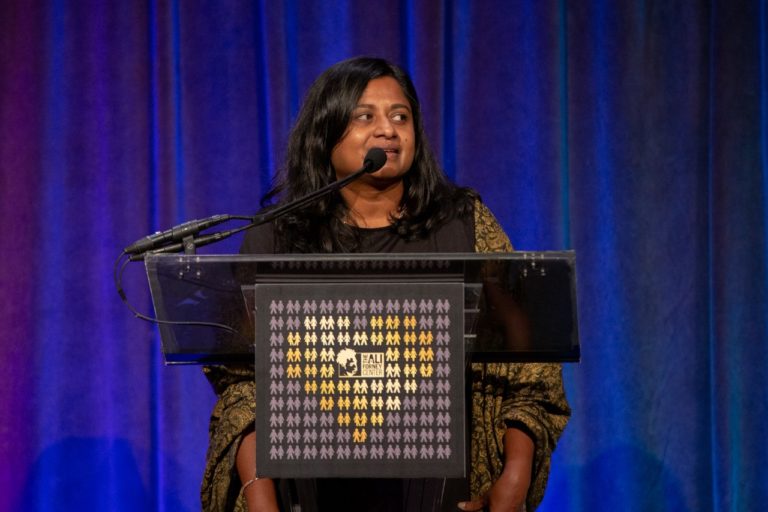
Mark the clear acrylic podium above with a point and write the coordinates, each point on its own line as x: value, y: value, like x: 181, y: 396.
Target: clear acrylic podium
x: 360, y: 359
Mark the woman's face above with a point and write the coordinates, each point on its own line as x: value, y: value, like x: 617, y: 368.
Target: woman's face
x: 381, y: 119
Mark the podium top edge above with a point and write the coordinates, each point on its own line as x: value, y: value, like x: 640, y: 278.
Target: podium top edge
x: 569, y: 255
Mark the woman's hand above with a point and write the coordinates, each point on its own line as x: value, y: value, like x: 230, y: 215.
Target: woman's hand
x: 259, y: 493
x: 508, y: 493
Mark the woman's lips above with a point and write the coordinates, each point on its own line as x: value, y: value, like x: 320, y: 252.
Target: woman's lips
x: 392, y: 152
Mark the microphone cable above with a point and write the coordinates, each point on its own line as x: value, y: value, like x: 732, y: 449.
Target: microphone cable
x: 118, y: 274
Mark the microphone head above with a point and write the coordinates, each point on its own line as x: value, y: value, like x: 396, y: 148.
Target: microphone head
x: 374, y: 160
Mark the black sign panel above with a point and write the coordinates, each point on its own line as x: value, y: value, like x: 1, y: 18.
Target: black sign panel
x: 360, y: 379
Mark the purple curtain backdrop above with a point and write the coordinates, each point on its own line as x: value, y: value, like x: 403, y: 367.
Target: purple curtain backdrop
x: 635, y: 133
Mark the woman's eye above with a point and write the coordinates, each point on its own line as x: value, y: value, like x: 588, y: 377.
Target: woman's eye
x: 400, y: 116
x: 363, y: 116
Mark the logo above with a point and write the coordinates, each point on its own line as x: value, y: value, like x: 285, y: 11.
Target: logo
x: 362, y: 365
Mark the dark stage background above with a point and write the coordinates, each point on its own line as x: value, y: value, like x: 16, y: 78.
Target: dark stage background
x: 632, y: 132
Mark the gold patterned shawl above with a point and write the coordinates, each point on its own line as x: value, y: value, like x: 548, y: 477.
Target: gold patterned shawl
x: 529, y: 396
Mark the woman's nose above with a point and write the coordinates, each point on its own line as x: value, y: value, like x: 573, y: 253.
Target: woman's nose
x: 384, y: 127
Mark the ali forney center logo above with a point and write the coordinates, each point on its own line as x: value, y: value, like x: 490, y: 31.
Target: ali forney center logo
x: 353, y: 364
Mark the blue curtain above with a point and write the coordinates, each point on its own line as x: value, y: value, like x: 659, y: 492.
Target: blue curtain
x: 635, y: 133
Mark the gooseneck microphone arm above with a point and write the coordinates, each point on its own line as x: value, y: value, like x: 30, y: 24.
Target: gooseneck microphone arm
x: 374, y: 160
x: 178, y: 237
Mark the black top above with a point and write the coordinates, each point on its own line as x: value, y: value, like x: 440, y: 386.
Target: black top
x: 455, y: 235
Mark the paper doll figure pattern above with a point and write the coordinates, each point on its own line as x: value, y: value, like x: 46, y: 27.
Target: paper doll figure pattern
x: 365, y: 384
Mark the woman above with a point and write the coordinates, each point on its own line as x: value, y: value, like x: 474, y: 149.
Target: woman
x: 518, y: 410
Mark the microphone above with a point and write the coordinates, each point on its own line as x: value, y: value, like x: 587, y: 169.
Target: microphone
x: 374, y: 160
x: 175, y: 234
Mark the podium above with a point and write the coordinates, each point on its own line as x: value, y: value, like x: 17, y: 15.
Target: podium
x: 361, y: 359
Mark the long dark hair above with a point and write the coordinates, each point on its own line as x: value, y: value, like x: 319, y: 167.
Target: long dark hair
x: 429, y: 198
